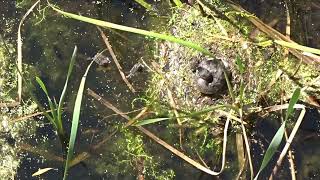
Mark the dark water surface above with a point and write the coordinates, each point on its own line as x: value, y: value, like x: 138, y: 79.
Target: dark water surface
x: 48, y: 46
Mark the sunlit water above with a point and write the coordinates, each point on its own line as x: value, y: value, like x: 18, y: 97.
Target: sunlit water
x: 48, y: 45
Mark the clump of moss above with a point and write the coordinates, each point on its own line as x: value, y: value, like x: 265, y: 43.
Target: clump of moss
x: 12, y: 132
x: 128, y: 156
x: 227, y: 37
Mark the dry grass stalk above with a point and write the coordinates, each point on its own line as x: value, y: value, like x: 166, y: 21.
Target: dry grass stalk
x: 19, y: 50
x: 288, y: 143
x: 276, y: 35
x: 163, y: 143
x: 105, y: 39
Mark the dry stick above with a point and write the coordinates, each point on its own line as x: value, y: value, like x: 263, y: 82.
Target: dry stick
x: 19, y: 51
x: 240, y: 153
x: 229, y: 115
x: 173, y: 104
x: 9, y: 104
x: 201, y: 159
x: 166, y: 145
x: 242, y: 168
x: 85, y: 155
x: 276, y: 35
x: 246, y: 142
x: 27, y: 117
x: 283, y: 106
x: 45, y: 153
x: 105, y: 39
x: 288, y: 143
x: 286, y: 54
x: 129, y: 112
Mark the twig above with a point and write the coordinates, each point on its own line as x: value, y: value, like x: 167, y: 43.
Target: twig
x: 19, y: 50
x: 283, y: 106
x: 246, y: 142
x: 288, y: 33
x: 27, y: 117
x: 201, y: 159
x: 42, y: 152
x: 173, y: 104
x: 105, y: 39
x: 9, y: 104
x: 240, y: 153
x: 84, y: 155
x: 129, y: 112
x: 276, y: 35
x: 166, y: 145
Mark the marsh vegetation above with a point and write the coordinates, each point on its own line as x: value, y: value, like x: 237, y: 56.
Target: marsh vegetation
x: 159, y: 89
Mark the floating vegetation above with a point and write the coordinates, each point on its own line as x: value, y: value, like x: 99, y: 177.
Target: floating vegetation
x: 183, y: 97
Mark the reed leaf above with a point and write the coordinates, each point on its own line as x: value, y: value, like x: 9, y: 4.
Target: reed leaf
x: 178, y: 3
x: 59, y: 110
x: 51, y: 104
x: 149, y: 121
x: 75, y: 122
x: 276, y: 140
x: 106, y: 24
x: 144, y: 4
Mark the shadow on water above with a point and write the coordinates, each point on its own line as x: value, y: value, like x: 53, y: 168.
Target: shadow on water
x: 48, y: 47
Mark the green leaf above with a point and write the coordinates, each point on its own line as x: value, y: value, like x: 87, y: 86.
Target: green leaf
x: 276, y: 140
x: 75, y: 122
x: 240, y: 64
x: 33, y: 97
x: 51, y: 105
x: 43, y: 87
x: 273, y: 146
x: 294, y: 99
x: 144, y: 4
x: 106, y: 24
x: 59, y: 110
x: 206, y: 110
x: 149, y: 121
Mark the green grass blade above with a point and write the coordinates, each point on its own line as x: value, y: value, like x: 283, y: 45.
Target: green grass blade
x: 43, y: 87
x: 197, y: 113
x: 144, y: 4
x: 294, y: 99
x: 51, y: 104
x: 276, y: 140
x: 193, y: 114
x: 230, y: 89
x: 273, y: 146
x: 178, y: 3
x: 150, y: 121
x: 75, y: 122
x: 71, y: 64
x: 29, y: 87
x: 133, y: 30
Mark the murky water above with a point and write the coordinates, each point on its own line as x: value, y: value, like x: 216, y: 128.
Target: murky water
x: 48, y: 45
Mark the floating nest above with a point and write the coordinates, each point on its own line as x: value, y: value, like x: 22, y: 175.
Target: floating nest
x: 174, y: 83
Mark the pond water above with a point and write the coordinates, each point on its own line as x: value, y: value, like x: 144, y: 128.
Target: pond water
x: 49, y: 40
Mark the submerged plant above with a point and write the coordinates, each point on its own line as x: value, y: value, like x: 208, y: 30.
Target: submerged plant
x: 55, y: 116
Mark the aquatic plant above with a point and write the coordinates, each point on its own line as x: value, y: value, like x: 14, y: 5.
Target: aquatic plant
x: 239, y: 96
x: 106, y: 24
x: 56, y: 108
x: 56, y: 112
